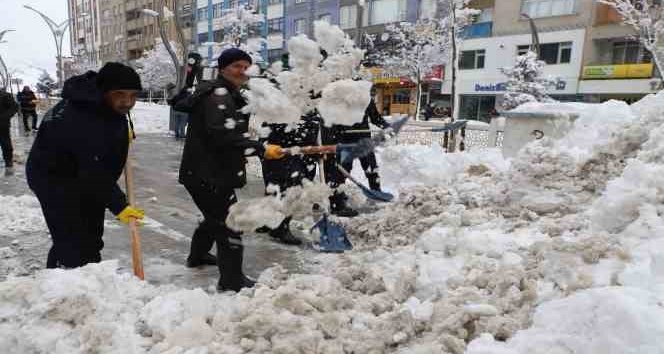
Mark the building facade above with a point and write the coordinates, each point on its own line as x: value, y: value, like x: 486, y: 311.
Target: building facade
x: 581, y: 41
x: 119, y: 30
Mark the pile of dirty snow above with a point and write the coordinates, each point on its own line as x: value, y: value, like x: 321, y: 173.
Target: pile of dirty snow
x: 557, y: 250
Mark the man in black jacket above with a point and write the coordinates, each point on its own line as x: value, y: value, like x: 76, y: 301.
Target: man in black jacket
x: 292, y: 169
x: 8, y: 108
x: 28, y: 102
x: 77, y: 158
x: 213, y: 165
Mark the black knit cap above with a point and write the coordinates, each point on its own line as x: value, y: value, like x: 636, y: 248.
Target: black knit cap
x: 231, y: 55
x: 116, y: 76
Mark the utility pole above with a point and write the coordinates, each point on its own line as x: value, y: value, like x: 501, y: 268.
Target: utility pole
x: 58, y: 31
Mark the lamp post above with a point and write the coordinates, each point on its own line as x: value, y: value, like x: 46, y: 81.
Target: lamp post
x: 58, y: 31
x: 534, y: 33
x: 159, y: 16
x: 4, y: 73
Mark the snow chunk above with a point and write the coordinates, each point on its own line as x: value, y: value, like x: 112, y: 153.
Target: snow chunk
x: 269, y: 104
x: 220, y: 91
x: 344, y: 102
x: 331, y: 38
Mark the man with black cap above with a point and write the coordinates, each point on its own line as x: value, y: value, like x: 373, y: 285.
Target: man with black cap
x: 213, y: 165
x: 77, y: 158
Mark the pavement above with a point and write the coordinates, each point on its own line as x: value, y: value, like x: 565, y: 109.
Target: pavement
x: 171, y: 218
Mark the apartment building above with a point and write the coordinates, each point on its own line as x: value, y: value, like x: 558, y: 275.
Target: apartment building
x: 85, y: 28
x: 581, y: 41
x: 118, y: 30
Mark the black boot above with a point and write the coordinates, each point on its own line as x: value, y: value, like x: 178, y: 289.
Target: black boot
x: 284, y: 234
x: 374, y: 181
x: 201, y: 243
x: 230, y: 266
x: 339, y: 208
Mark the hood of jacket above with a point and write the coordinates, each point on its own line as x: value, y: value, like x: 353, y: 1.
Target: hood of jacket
x: 83, y: 89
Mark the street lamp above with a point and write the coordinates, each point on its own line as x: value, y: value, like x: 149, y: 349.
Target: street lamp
x: 58, y: 31
x: 535, y: 35
x: 4, y: 73
x: 164, y: 38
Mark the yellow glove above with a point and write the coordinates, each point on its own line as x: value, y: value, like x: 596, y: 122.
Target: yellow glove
x: 131, y: 212
x: 273, y: 152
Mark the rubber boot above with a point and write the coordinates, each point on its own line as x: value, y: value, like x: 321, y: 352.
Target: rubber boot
x: 374, y: 181
x: 201, y: 243
x: 339, y: 208
x: 230, y: 266
x: 284, y: 234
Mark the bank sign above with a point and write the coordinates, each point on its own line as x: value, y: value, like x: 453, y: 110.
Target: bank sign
x: 502, y: 86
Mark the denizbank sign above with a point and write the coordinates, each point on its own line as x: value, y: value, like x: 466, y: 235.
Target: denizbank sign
x: 502, y: 86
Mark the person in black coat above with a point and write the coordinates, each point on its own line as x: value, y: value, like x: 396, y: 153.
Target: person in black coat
x: 340, y: 134
x: 213, y: 165
x: 77, y: 158
x: 292, y: 169
x: 8, y: 109
x: 28, y: 102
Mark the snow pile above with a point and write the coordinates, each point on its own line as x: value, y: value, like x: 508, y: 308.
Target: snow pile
x: 150, y: 118
x: 485, y: 258
x: 20, y: 215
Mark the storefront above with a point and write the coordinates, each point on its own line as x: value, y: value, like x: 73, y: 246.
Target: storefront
x: 625, y: 82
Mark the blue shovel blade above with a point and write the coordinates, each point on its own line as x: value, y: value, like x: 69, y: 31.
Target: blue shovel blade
x: 332, y: 236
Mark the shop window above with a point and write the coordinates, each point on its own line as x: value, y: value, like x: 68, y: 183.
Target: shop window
x: 476, y: 107
x: 401, y: 97
x: 551, y: 53
x: 630, y: 52
x: 472, y: 59
x: 548, y: 8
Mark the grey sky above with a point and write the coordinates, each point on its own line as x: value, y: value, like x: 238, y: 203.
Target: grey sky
x: 31, y: 46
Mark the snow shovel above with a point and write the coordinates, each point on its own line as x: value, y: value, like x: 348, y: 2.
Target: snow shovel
x: 136, y: 255
x: 369, y: 193
x: 332, y: 235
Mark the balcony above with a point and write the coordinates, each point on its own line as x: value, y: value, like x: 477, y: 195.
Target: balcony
x: 623, y: 71
x: 478, y: 30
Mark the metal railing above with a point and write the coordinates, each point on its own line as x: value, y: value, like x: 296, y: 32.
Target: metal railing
x: 457, y: 136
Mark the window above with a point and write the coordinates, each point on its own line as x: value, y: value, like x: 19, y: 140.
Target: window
x: 401, y: 96
x: 348, y: 16
x: 472, y: 59
x: 326, y: 17
x: 300, y: 1
x: 202, y: 37
x: 547, y: 8
x: 630, y: 52
x: 273, y: 2
x: 217, y: 10
x: 218, y: 36
x: 299, y: 26
x: 275, y: 25
x: 202, y: 14
x: 551, y: 53
x: 387, y: 11
x: 476, y: 107
x: 274, y: 55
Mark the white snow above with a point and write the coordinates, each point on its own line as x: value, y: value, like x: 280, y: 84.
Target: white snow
x: 344, y: 102
x: 149, y: 118
x: 558, y: 250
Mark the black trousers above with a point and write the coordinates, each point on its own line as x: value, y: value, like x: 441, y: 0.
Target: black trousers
x: 6, y: 144
x: 335, y: 178
x: 214, y: 204
x: 26, y: 114
x: 76, y: 229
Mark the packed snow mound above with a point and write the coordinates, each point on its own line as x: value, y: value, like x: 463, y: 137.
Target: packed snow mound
x: 19, y: 215
x: 150, y: 118
x: 607, y: 320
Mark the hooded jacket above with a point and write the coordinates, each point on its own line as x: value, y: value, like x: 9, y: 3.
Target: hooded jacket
x: 217, y: 142
x: 81, y: 149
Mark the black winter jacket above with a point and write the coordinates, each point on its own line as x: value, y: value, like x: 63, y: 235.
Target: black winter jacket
x: 81, y: 149
x: 217, y: 142
x: 8, y: 107
x: 25, y: 99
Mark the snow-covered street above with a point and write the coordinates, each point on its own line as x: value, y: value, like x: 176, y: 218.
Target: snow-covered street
x: 557, y: 250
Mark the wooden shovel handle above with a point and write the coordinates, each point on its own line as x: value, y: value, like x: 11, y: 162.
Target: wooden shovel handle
x: 136, y: 254
x: 311, y: 150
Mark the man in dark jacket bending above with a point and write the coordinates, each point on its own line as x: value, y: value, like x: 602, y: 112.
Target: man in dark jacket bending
x: 77, y: 158
x: 213, y: 165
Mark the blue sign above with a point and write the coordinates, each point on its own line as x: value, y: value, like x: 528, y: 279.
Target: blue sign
x: 491, y: 87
